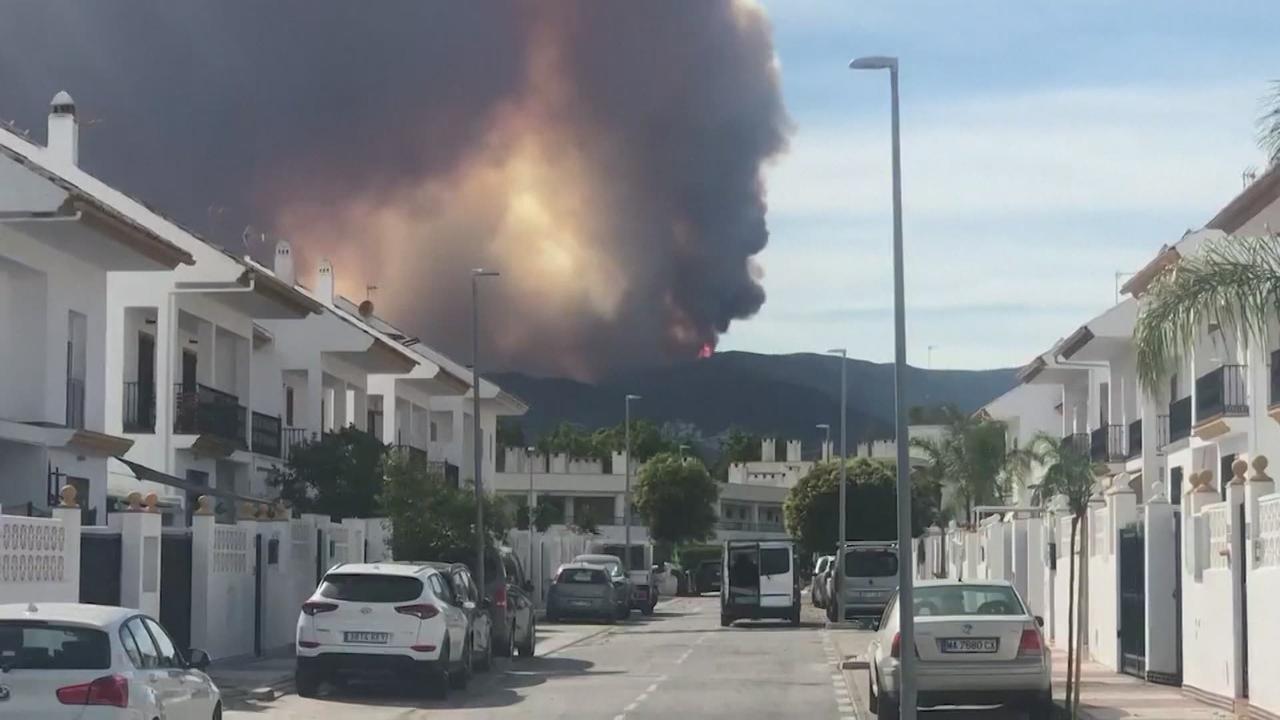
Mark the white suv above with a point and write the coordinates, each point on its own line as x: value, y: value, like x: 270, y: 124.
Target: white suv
x: 375, y: 619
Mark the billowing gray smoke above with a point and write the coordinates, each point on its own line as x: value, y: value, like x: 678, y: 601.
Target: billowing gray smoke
x: 605, y: 156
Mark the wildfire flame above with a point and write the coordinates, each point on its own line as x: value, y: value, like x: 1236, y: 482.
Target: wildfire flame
x: 706, y: 350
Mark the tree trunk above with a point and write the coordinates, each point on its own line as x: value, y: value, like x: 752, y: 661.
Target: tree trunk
x: 1071, y: 611
x: 1081, y: 628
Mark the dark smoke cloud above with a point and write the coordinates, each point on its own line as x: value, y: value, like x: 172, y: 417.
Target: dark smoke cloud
x: 604, y: 155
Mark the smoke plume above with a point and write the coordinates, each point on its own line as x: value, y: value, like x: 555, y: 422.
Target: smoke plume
x: 604, y: 156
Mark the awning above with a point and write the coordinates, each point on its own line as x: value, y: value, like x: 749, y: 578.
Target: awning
x: 142, y: 472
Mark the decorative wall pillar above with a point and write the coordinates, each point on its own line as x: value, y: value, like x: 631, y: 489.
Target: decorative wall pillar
x: 140, y: 555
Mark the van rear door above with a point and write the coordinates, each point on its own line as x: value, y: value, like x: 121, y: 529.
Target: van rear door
x: 741, y: 576
x: 777, y: 574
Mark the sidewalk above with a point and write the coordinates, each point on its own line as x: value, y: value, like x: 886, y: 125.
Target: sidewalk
x: 258, y: 678
x: 1105, y: 695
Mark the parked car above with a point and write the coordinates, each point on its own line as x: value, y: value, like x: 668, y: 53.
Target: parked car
x: 667, y: 579
x: 478, y: 611
x: 707, y: 578
x: 644, y: 586
x: 818, y: 584
x: 622, y: 583
x: 515, y: 625
x: 374, y: 620
x: 759, y: 581
x: 74, y: 661
x: 867, y: 581
x: 584, y: 590
x: 975, y: 644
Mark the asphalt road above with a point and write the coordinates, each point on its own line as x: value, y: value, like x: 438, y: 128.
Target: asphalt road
x: 677, y: 664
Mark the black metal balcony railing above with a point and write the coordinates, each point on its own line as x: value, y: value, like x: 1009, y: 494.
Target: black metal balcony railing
x: 761, y: 526
x: 1076, y: 441
x: 417, y: 456
x: 292, y: 437
x: 1275, y: 377
x: 1222, y: 392
x: 1107, y: 443
x: 202, y: 410
x: 445, y: 468
x: 75, y: 403
x: 266, y: 434
x: 1179, y: 419
x: 139, y: 407
x: 1135, y: 439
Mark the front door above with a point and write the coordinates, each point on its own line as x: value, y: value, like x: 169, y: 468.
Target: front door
x: 146, y: 397
x: 776, y: 575
x: 1133, y: 601
x: 741, y: 576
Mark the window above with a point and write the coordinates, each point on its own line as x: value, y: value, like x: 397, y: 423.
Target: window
x: 130, y: 647
x: 146, y: 646
x: 775, y: 561
x: 458, y: 583
x: 582, y: 576
x: 967, y: 600
x: 440, y: 590
x: 288, y: 406
x: 42, y: 646
x: 870, y: 563
x: 370, y: 588
x: 1175, y: 485
x: 433, y: 431
x: 170, y: 656
x: 1103, y: 394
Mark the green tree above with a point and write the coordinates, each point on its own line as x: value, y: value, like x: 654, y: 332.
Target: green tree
x: 811, y: 507
x: 510, y: 432
x: 677, y: 498
x: 737, y: 446
x: 431, y: 519
x: 586, y: 523
x: 1069, y: 474
x: 972, y: 457
x: 336, y: 474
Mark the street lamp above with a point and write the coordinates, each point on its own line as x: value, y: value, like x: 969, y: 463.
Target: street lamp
x: 528, y: 459
x: 905, y: 590
x: 626, y: 510
x: 843, y: 536
x: 825, y: 443
x: 476, y: 274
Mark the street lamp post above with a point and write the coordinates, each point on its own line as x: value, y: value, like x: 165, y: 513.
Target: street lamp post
x: 626, y: 510
x: 528, y: 459
x: 905, y: 590
x: 476, y: 274
x: 826, y: 427
x: 844, y: 472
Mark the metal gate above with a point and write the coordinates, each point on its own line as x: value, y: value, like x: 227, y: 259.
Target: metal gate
x: 175, y: 585
x: 100, y: 555
x: 1133, y: 601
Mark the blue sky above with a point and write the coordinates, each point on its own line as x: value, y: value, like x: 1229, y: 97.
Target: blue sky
x: 1046, y: 147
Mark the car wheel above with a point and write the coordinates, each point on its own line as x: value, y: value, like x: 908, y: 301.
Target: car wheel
x: 437, y: 680
x: 458, y: 679
x: 795, y: 616
x: 648, y: 610
x: 527, y: 647
x: 1044, y: 709
x: 725, y: 620
x: 552, y: 617
x: 306, y: 681
x: 873, y: 700
x: 485, y: 663
x: 217, y: 712
x: 887, y: 709
x: 831, y: 611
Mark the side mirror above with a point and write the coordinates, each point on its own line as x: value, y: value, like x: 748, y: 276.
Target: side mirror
x: 1039, y: 621
x: 197, y: 659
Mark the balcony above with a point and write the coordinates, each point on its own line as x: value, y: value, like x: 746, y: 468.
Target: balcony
x: 75, y: 403
x: 202, y: 410
x: 292, y: 437
x: 139, y: 407
x: 417, y: 456
x: 1135, y: 439
x: 445, y: 468
x: 1107, y: 444
x: 749, y: 526
x: 1077, y: 441
x: 1180, y: 420
x: 266, y: 434
x: 1222, y: 393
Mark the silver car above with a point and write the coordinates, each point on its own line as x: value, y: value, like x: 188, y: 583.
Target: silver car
x: 818, y: 585
x: 976, y: 645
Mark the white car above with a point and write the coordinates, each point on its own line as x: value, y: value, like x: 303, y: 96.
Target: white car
x: 371, y: 620
x: 67, y: 661
x: 976, y: 645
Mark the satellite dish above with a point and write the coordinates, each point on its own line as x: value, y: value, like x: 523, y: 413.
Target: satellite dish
x: 366, y: 308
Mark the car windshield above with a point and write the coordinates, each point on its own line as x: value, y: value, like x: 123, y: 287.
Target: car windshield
x: 582, y: 576
x: 967, y: 600
x: 370, y: 588
x: 859, y: 562
x: 49, y: 646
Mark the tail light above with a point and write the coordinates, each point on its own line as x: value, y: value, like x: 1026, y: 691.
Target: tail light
x: 895, y: 650
x: 315, y: 608
x: 500, y: 596
x: 110, y: 690
x: 1030, y: 643
x: 422, y: 611
x: 308, y: 644
x: 422, y: 648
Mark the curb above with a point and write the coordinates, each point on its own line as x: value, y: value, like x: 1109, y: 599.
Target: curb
x: 854, y: 662
x: 263, y: 693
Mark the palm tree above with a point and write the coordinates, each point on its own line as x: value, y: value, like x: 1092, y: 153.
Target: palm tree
x: 1069, y: 473
x: 973, y: 458
x: 1231, y: 281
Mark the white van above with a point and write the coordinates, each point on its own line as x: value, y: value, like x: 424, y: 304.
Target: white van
x: 758, y: 581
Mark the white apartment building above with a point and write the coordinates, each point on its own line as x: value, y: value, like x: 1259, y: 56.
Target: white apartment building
x: 58, y: 242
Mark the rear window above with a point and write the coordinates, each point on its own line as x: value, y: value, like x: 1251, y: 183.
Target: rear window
x: 967, y: 600
x: 582, y: 576
x: 370, y: 588
x: 870, y: 563
x: 775, y: 561
x: 26, y: 645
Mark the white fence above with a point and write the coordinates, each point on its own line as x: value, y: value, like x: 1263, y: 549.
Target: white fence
x: 40, y: 558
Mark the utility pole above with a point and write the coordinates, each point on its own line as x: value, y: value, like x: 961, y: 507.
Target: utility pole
x: 476, y: 274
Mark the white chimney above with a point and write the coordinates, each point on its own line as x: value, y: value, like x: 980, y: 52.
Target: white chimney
x: 324, y: 281
x: 283, y: 265
x: 64, y: 132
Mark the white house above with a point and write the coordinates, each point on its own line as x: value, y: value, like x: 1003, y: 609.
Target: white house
x: 58, y: 242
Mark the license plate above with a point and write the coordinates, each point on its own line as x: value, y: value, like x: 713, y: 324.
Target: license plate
x: 580, y: 603
x: 371, y: 638
x: 970, y: 645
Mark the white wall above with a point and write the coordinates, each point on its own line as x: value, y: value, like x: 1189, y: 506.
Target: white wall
x: 1264, y: 622
x: 40, y: 558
